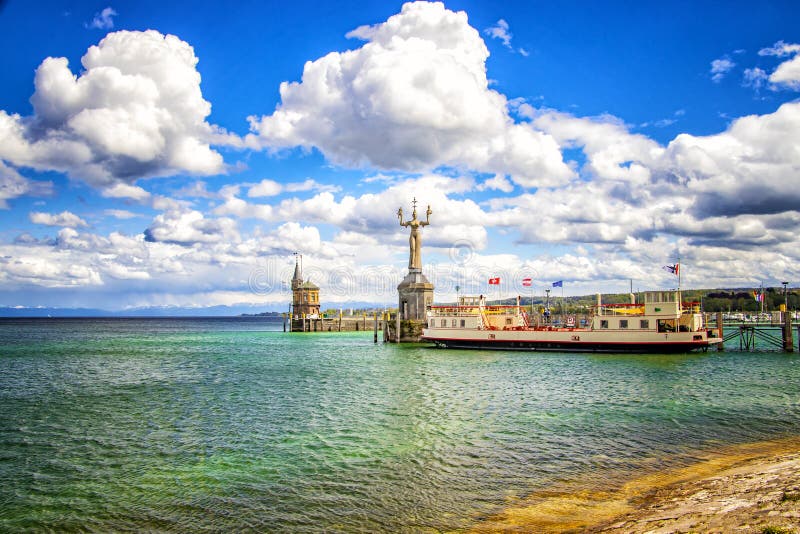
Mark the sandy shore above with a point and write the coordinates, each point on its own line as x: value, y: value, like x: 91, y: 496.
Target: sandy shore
x: 742, y: 489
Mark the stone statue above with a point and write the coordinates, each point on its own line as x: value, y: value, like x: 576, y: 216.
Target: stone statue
x: 415, y: 240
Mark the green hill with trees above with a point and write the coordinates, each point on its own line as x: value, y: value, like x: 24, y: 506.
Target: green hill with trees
x: 712, y: 300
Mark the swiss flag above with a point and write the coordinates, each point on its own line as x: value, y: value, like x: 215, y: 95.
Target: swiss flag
x: 527, y: 282
x: 494, y: 281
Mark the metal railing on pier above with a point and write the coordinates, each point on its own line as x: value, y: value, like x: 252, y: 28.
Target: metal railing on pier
x: 774, y: 334
x: 749, y: 335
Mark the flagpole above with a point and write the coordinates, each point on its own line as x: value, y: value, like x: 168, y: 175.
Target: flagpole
x: 679, y: 273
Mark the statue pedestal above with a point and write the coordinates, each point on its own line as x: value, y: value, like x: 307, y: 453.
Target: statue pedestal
x: 409, y: 331
x: 416, y: 293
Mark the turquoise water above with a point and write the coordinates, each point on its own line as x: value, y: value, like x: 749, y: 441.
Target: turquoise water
x: 229, y: 424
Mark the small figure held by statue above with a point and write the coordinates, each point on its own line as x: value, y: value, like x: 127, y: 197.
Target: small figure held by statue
x: 415, y: 240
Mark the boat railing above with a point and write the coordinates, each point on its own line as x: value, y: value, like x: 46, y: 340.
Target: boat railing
x: 500, y: 310
x: 453, y: 311
x: 618, y: 309
x: 465, y: 311
x: 638, y: 309
x: 690, y: 307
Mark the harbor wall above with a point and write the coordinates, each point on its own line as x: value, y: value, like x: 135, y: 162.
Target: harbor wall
x: 383, y: 326
x: 333, y: 324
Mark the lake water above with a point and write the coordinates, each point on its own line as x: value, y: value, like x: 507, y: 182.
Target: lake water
x: 231, y: 424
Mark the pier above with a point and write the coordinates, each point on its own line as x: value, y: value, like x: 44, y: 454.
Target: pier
x: 342, y: 323
x: 775, y: 335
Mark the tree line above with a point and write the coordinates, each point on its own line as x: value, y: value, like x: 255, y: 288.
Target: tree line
x: 744, y: 300
x: 712, y: 300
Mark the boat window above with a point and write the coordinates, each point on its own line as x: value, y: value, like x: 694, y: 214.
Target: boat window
x: 453, y: 323
x: 623, y: 323
x: 644, y: 324
x: 665, y: 325
x: 604, y: 324
x: 444, y: 322
x: 433, y: 323
x: 463, y: 323
x: 508, y: 321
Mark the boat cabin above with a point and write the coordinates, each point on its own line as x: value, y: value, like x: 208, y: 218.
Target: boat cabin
x: 662, y: 311
x: 472, y: 313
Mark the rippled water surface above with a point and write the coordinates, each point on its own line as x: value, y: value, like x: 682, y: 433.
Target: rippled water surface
x: 231, y: 424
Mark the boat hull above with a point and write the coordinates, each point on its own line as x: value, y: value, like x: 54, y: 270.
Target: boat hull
x: 570, y: 342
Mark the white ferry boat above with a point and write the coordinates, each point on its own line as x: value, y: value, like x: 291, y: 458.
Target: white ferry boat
x: 661, y: 324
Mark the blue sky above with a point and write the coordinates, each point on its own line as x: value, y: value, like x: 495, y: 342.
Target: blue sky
x: 178, y: 154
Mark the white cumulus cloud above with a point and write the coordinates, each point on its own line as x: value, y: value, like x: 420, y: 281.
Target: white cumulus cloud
x: 120, y: 214
x: 270, y: 188
x: 134, y: 111
x: 292, y: 237
x: 414, y: 97
x: 265, y: 188
x: 65, y: 218
x: 497, y: 182
x: 121, y: 190
x: 745, y: 170
x: 787, y: 74
x: 189, y: 227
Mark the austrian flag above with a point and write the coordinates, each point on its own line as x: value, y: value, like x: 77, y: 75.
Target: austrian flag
x: 527, y: 282
x: 494, y: 281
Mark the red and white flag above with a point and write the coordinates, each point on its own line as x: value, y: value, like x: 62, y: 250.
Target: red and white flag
x: 494, y: 281
x: 527, y: 282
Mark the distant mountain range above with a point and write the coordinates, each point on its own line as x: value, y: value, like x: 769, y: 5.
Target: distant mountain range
x: 160, y: 311
x: 169, y: 311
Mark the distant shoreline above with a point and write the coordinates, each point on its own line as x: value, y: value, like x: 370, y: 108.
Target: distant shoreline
x: 27, y: 317
x: 735, y: 299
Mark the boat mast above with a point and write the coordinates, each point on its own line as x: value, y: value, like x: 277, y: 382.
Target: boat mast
x: 680, y: 296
